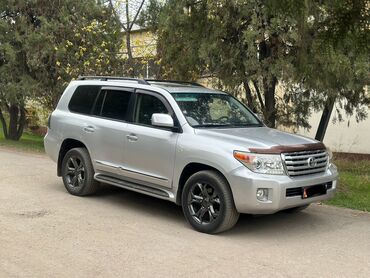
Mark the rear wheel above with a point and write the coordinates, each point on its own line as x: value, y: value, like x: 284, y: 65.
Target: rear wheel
x: 78, y: 173
x: 208, y: 204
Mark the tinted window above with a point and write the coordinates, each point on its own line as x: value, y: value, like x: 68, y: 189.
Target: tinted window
x: 147, y: 105
x: 115, y: 104
x: 99, y: 103
x: 83, y: 99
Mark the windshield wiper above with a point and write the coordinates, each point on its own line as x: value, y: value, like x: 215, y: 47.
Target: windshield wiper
x: 211, y: 125
x: 246, y: 125
x: 229, y: 125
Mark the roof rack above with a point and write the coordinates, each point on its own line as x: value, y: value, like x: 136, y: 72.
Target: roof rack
x: 106, y: 78
x: 174, y: 82
x: 138, y: 80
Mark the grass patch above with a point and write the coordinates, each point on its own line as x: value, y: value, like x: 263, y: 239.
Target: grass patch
x: 28, y: 142
x: 354, y: 184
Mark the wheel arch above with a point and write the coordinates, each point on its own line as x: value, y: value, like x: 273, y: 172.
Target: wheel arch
x: 67, y: 145
x: 190, y: 169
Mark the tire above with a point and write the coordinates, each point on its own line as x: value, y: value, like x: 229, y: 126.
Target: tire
x: 78, y: 173
x: 296, y: 209
x: 208, y: 204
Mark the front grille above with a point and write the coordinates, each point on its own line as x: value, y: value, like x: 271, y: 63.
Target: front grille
x: 305, y: 162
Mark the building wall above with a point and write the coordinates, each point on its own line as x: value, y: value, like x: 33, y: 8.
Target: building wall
x: 347, y: 136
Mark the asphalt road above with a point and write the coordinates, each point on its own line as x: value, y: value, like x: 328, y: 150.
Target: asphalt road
x: 45, y: 232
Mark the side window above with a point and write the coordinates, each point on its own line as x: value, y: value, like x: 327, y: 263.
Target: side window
x: 99, y: 103
x: 146, y: 106
x: 83, y: 99
x: 115, y: 104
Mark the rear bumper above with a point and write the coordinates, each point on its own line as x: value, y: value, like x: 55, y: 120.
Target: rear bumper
x: 51, y: 145
x: 244, y: 185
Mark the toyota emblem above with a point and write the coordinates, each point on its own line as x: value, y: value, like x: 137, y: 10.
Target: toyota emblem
x: 311, y: 162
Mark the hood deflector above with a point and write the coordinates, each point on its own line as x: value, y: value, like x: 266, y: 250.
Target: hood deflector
x: 288, y: 148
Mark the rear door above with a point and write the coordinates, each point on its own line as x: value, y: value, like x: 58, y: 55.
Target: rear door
x: 107, y: 128
x: 150, y: 151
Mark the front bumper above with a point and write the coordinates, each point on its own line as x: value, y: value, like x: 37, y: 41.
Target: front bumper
x: 244, y: 185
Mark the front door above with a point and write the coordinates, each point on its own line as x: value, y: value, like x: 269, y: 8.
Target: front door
x: 150, y: 151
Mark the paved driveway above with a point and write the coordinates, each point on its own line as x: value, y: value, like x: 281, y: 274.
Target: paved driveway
x: 45, y: 232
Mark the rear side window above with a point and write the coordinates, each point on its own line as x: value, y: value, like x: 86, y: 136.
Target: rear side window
x: 83, y: 99
x: 114, y: 104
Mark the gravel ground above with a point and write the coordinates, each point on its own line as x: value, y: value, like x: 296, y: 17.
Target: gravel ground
x: 45, y: 232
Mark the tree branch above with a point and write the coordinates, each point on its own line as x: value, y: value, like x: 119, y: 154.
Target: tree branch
x: 116, y: 15
x: 137, y: 14
x: 258, y: 94
x: 248, y: 94
x: 127, y: 17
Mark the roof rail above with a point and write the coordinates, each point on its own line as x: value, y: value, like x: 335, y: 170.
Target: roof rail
x: 174, y: 82
x: 106, y: 78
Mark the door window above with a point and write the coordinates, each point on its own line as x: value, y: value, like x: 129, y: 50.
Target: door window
x: 113, y: 104
x: 83, y: 99
x: 146, y: 106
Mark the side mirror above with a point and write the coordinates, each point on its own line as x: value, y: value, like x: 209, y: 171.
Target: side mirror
x: 163, y: 120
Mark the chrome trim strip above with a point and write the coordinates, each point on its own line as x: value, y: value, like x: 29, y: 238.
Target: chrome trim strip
x: 107, y: 164
x: 153, y: 191
x: 129, y: 170
x: 143, y: 174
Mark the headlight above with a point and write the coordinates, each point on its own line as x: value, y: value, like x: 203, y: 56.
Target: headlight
x: 261, y: 163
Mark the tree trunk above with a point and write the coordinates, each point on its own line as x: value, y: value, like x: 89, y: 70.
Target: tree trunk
x: 13, y: 122
x: 130, y: 58
x: 270, y: 103
x: 324, y: 121
x: 3, y: 123
x: 17, y: 120
x: 248, y: 94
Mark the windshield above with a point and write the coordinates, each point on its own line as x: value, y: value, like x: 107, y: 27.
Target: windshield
x: 214, y: 110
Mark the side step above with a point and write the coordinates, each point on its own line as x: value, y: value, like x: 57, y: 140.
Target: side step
x: 133, y: 186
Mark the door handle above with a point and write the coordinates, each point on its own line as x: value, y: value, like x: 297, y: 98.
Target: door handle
x: 89, y: 128
x: 132, y: 137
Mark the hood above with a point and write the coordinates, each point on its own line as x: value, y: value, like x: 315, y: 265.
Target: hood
x: 255, y: 137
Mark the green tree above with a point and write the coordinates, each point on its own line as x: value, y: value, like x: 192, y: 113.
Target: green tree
x: 127, y: 14
x: 45, y: 44
x: 262, y: 45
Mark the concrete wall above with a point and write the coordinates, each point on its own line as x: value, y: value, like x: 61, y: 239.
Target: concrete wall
x: 347, y: 136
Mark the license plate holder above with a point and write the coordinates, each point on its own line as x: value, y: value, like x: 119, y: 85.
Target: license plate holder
x: 314, y: 191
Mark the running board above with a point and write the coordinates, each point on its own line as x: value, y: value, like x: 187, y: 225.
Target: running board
x: 133, y: 186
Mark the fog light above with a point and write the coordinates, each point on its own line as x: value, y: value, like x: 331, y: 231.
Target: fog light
x: 262, y: 194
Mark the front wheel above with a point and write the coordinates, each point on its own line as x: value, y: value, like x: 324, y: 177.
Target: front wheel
x: 208, y: 203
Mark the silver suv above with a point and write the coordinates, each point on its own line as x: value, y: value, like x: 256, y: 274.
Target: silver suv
x: 199, y: 148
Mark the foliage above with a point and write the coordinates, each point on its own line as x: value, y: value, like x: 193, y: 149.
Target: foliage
x: 311, y: 50
x: 45, y: 44
x: 76, y: 38
x: 127, y: 14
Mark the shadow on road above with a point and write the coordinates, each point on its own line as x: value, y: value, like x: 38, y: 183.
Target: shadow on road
x: 279, y: 225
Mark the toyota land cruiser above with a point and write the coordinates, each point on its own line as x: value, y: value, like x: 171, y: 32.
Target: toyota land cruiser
x: 182, y: 142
